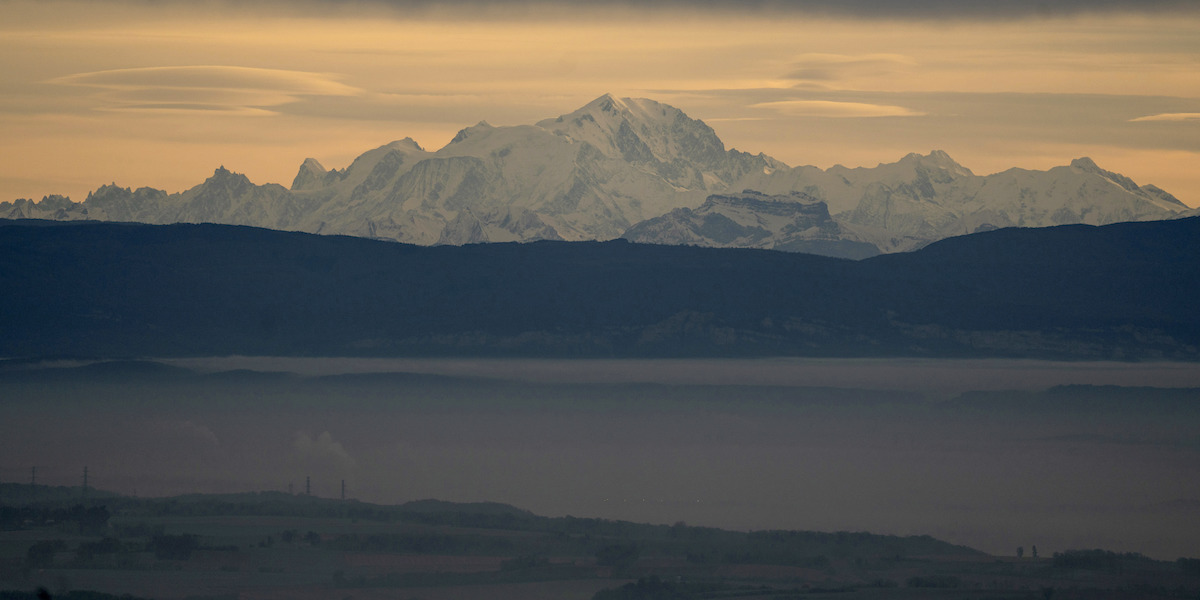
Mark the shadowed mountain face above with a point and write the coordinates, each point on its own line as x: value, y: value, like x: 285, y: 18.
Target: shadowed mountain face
x: 1119, y: 291
x: 793, y: 223
x: 627, y: 166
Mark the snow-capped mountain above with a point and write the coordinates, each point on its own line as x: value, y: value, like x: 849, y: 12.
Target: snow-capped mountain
x: 920, y: 199
x: 589, y: 174
x: 600, y: 171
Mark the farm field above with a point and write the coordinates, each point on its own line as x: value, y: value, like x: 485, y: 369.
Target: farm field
x: 299, y: 547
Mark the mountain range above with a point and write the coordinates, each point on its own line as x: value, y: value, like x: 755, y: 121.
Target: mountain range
x: 632, y: 168
x: 1121, y: 291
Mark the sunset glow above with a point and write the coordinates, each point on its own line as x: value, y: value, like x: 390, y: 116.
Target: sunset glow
x: 160, y: 94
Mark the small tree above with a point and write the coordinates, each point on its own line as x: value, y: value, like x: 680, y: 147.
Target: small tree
x: 1034, y: 549
x: 1020, y: 551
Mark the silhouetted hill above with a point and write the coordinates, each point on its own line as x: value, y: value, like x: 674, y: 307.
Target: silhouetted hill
x: 122, y: 290
x: 718, y: 545
x: 1073, y: 277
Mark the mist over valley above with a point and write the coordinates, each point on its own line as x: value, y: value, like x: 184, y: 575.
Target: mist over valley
x: 1043, y: 460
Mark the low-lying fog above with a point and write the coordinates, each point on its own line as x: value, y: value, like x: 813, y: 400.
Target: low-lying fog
x: 972, y: 452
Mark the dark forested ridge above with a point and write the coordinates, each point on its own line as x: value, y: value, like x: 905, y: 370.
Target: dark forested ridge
x: 1121, y: 291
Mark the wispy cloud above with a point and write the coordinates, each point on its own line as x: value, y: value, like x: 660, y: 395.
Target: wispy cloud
x: 209, y: 88
x: 831, y: 67
x: 861, y: 9
x: 832, y: 109
x: 1168, y: 117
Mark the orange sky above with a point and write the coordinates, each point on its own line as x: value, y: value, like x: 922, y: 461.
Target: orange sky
x: 159, y: 94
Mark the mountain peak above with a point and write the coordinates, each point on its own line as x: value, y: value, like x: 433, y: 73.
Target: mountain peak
x: 410, y: 144
x: 221, y: 173
x: 939, y: 159
x: 1088, y: 165
x: 225, y: 177
x: 310, y: 175
x: 1150, y: 192
x: 606, y: 103
x: 468, y: 131
x: 639, y: 130
x: 107, y: 190
x: 610, y: 107
x: 1084, y: 163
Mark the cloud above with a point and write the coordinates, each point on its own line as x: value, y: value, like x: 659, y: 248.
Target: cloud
x: 1168, y: 117
x: 829, y: 67
x: 322, y: 451
x: 185, y: 431
x: 832, y: 109
x: 213, y: 76
x: 212, y: 88
x: 857, y: 9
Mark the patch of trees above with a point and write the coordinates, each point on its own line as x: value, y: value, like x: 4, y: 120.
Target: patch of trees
x: 525, y: 562
x: 1099, y: 560
x: 89, y: 550
x: 439, y: 578
x: 286, y: 505
x: 1190, y: 566
x: 934, y: 581
x: 42, y: 594
x: 90, y: 520
x: 653, y: 588
x: 814, y: 549
x: 275, y: 283
x: 426, y: 543
x: 107, y: 552
x: 174, y: 547
x: 564, y: 535
x: 137, y: 530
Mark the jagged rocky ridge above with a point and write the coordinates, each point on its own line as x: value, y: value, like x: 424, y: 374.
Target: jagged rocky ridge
x: 635, y: 168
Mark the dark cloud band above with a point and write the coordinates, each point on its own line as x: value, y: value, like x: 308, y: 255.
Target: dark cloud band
x: 861, y: 9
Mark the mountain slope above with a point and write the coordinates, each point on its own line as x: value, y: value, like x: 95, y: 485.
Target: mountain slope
x: 1119, y: 291
x: 919, y: 199
x: 599, y: 171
